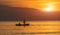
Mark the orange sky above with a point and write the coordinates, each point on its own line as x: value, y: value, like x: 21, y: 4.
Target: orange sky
x: 38, y: 4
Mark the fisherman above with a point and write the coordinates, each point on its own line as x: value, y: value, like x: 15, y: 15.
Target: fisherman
x: 24, y: 21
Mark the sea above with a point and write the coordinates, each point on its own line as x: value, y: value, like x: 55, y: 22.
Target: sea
x: 35, y: 28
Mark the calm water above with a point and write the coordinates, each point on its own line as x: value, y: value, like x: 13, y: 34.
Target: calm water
x: 35, y: 28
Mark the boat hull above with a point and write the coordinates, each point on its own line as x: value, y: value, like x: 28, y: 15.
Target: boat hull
x: 22, y: 24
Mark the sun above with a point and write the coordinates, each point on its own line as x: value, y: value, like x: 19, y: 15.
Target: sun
x: 49, y: 8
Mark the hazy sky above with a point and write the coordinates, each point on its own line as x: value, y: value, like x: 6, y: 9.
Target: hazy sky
x: 29, y: 8
x: 38, y: 4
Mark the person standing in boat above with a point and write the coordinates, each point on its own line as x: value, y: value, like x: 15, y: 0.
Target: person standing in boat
x: 24, y: 21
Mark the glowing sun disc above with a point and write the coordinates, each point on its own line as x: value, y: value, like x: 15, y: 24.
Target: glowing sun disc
x: 48, y: 9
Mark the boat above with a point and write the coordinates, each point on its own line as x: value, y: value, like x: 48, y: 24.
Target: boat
x: 24, y: 24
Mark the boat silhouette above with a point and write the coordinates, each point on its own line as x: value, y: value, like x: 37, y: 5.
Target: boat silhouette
x: 24, y: 24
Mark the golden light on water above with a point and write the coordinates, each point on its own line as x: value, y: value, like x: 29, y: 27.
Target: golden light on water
x: 35, y: 26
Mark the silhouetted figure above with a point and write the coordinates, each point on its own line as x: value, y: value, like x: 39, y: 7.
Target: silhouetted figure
x: 24, y: 24
x: 24, y: 21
